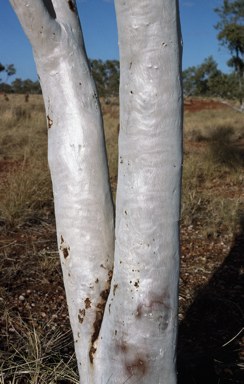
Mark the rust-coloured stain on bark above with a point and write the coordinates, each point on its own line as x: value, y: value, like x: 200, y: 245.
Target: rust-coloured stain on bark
x: 87, y: 303
x: 153, y: 303
x: 137, y: 367
x: 49, y: 122
x: 91, y: 353
x: 71, y: 6
x: 115, y: 287
x: 96, y: 329
x: 65, y: 253
x: 81, y: 315
x: 64, y: 249
x: 134, y: 362
x: 99, y: 317
x: 104, y: 294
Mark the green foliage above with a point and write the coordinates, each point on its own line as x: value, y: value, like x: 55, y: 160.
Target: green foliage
x: 231, y: 35
x: 2, y: 68
x: 106, y: 75
x: 26, y: 86
x: 200, y: 80
x: 10, y: 70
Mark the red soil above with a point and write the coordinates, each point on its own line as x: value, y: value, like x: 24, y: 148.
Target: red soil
x: 197, y: 105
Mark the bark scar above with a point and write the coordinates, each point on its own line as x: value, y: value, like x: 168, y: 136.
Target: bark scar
x: 72, y: 6
x: 49, y: 122
x: 64, y: 248
x: 99, y: 317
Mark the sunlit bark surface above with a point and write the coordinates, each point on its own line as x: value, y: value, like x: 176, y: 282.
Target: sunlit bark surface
x: 137, y: 342
x: 78, y: 164
x: 132, y: 339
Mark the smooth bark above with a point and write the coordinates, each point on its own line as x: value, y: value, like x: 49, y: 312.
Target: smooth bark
x: 138, y: 337
x: 78, y: 164
x: 134, y: 340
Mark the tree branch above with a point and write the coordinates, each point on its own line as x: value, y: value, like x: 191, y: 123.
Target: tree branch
x: 231, y: 106
x: 36, y: 19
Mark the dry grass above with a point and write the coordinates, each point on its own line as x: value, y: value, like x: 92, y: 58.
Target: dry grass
x: 213, y: 180
x: 35, y: 357
x: 213, y: 171
x: 27, y: 192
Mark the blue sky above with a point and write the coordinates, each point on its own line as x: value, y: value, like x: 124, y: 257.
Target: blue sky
x: 100, y: 33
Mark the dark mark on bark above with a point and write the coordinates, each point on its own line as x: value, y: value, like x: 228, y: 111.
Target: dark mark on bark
x: 110, y: 275
x: 91, y: 353
x: 130, y: 65
x: 49, y: 122
x: 134, y: 362
x: 71, y: 6
x: 65, y: 253
x: 104, y: 294
x: 87, y: 303
x: 81, y: 315
x: 99, y: 316
x: 64, y: 249
x: 153, y: 304
x: 115, y: 287
x: 96, y: 281
x: 96, y: 329
x: 137, y: 367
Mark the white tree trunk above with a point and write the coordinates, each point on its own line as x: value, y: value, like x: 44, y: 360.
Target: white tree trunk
x: 78, y: 164
x: 139, y: 331
x: 134, y: 341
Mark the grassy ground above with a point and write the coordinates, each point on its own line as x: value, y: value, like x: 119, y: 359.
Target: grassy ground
x: 36, y: 343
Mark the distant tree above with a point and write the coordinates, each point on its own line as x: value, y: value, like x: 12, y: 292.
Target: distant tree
x: 32, y: 87
x: 26, y: 86
x: 10, y: 70
x: 5, y: 88
x: 199, y: 80
x: 2, y: 68
x: 17, y: 85
x: 113, y: 74
x: 231, y: 35
x: 106, y: 75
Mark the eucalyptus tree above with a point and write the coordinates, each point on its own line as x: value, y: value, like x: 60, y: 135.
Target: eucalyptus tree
x: 231, y: 35
x: 198, y: 80
x: 106, y: 75
x: 121, y: 284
